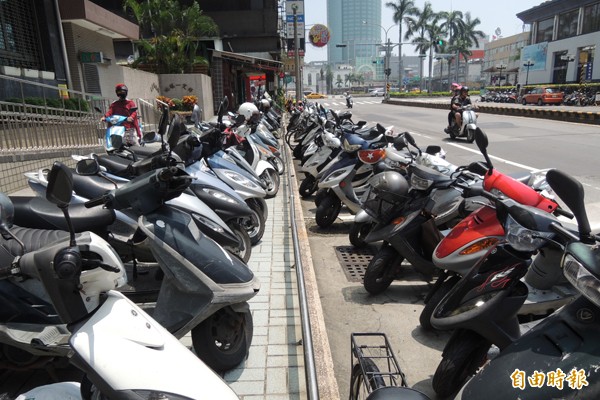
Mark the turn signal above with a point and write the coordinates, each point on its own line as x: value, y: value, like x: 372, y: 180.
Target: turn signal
x: 478, y: 246
x: 399, y: 220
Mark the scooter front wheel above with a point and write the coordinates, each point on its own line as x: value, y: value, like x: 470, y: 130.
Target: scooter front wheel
x: 255, y: 225
x: 271, y: 178
x: 308, y: 186
x: 470, y: 135
x: 328, y: 210
x: 358, y: 232
x: 382, y: 270
x: 464, y: 354
x: 244, y: 249
x: 436, y: 297
x: 223, y: 340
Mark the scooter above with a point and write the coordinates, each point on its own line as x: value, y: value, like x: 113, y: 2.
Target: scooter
x: 469, y: 240
x: 482, y: 308
x: 468, y: 127
x: 349, y: 101
x: 95, y: 324
x: 556, y: 358
x: 328, y: 153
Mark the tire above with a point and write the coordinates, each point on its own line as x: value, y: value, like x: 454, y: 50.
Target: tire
x: 524, y: 102
x: 452, y: 134
x: 222, y: 340
x: 278, y: 164
x: 358, y: 232
x: 321, y: 194
x: 358, y: 391
x: 244, y: 250
x: 464, y: 354
x: 328, y: 210
x: 259, y: 204
x: 470, y: 135
x: 438, y: 295
x: 381, y: 270
x: 540, y: 102
x: 255, y: 225
x: 308, y: 186
x: 297, y: 152
x: 271, y: 178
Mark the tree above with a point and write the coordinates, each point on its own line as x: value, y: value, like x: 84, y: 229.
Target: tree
x: 329, y: 79
x: 435, y: 31
x: 170, y: 34
x: 402, y: 10
x: 467, y: 38
x: 453, y: 23
x: 338, y: 81
x: 417, y: 29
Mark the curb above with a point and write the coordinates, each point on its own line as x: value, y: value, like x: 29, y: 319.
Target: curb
x: 585, y: 117
x: 327, y: 383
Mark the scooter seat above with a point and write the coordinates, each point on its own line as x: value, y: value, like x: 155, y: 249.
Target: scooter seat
x: 91, y: 186
x: 39, y: 213
x: 143, y: 151
x: 115, y: 164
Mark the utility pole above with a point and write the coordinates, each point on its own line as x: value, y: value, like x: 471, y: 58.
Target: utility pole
x: 297, y: 54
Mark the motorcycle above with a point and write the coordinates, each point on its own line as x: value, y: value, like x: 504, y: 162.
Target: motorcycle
x: 94, y: 325
x: 468, y: 241
x: 468, y: 127
x: 555, y: 358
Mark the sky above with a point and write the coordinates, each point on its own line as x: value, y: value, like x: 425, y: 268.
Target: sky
x: 492, y: 14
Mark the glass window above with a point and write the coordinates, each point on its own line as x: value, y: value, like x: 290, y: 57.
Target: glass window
x: 544, y: 30
x: 591, y: 18
x: 567, y: 24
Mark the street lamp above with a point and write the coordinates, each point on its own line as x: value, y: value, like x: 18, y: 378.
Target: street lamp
x: 528, y: 64
x: 386, y: 63
x: 501, y: 67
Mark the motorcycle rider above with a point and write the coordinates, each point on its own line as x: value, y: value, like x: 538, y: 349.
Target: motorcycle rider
x: 455, y: 92
x: 348, y: 99
x: 123, y: 106
x: 458, y: 102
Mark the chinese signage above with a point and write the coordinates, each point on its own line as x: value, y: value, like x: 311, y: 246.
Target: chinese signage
x: 298, y: 7
x: 90, y: 57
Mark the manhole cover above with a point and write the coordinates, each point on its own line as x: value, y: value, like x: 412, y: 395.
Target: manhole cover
x: 354, y: 261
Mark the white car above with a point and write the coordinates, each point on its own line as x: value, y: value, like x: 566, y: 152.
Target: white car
x: 377, y: 92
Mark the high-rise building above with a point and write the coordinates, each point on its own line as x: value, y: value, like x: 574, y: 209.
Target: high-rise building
x: 355, y: 24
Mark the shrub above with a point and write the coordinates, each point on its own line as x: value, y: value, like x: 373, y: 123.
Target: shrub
x: 166, y: 100
x: 188, y: 102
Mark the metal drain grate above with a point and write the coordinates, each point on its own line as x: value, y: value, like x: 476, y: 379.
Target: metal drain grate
x: 354, y: 261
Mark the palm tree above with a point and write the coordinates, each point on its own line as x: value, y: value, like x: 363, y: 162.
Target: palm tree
x: 453, y: 23
x: 175, y: 32
x: 338, y: 81
x: 468, y: 37
x: 435, y: 31
x: 417, y: 29
x: 402, y: 10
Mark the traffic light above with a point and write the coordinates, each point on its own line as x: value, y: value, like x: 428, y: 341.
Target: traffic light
x: 388, y: 71
x: 440, y: 42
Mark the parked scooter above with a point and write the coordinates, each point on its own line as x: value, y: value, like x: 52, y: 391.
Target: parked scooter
x: 469, y: 125
x: 95, y: 324
x: 556, y: 358
x: 469, y: 240
x: 482, y: 308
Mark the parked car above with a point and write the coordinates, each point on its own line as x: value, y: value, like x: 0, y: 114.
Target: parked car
x: 315, y: 96
x: 377, y: 92
x: 543, y: 95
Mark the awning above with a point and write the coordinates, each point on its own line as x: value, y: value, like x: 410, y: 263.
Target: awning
x: 261, y: 64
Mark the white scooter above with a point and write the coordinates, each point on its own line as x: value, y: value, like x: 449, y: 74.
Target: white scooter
x: 468, y: 127
x: 123, y: 352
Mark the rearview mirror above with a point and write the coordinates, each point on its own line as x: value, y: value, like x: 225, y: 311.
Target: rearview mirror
x: 87, y: 166
x: 60, y: 185
x: 7, y: 211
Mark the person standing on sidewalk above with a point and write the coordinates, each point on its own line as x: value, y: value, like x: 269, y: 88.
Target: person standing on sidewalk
x: 124, y: 106
x: 196, y: 114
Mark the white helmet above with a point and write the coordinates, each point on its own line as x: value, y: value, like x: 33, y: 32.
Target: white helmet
x: 249, y: 111
x: 265, y: 104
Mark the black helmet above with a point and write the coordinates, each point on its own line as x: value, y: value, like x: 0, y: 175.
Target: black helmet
x: 464, y: 89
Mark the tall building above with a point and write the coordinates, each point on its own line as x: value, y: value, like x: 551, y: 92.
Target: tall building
x: 357, y: 25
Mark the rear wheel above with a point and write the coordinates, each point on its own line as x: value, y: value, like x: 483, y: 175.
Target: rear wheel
x: 222, y: 340
x: 382, y: 270
x: 363, y: 384
x: 464, y: 354
x: 328, y: 210
x: 540, y: 102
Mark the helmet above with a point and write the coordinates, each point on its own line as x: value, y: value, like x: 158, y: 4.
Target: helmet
x: 250, y: 112
x: 388, y: 189
x: 464, y: 89
x: 121, y: 90
x: 265, y: 104
x: 454, y: 86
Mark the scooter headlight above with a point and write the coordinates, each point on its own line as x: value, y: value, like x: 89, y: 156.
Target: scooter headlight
x: 581, y: 278
x: 154, y: 395
x: 220, y: 195
x: 523, y: 239
x: 242, y: 180
x: 334, y: 175
x: 419, y: 183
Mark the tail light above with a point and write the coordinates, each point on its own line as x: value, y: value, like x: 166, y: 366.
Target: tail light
x: 371, y: 156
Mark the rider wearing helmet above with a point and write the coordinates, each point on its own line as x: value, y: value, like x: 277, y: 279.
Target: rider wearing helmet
x: 455, y: 92
x: 458, y: 102
x: 123, y: 106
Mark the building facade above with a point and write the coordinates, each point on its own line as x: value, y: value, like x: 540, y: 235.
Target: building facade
x: 501, y: 63
x: 564, y: 39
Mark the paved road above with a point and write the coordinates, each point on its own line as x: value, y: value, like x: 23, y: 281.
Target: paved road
x: 515, y: 144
